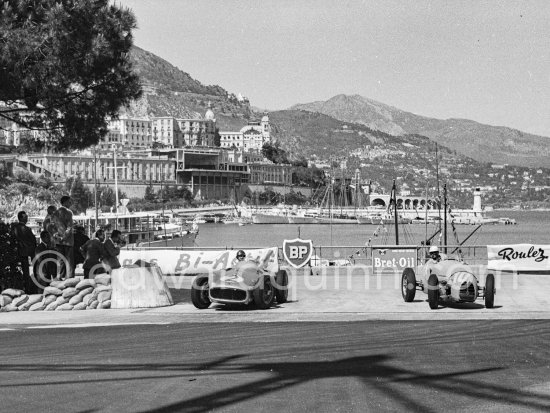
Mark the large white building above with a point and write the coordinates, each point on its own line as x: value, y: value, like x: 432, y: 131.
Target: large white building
x: 249, y: 138
x: 167, y: 131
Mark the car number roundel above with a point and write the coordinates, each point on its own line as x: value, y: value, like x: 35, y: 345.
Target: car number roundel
x: 297, y: 252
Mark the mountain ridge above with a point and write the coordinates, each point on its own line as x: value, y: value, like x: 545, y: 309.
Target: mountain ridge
x: 485, y: 143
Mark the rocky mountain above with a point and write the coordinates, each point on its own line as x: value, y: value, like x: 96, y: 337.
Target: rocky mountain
x: 484, y: 143
x: 169, y: 91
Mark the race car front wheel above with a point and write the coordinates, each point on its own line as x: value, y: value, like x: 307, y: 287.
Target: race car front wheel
x: 408, y: 285
x: 490, y: 291
x: 281, y: 287
x: 433, y: 291
x: 199, y: 292
x: 264, y: 294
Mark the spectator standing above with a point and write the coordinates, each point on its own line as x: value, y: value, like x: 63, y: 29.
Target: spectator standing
x: 93, y: 251
x: 80, y: 238
x: 112, y: 250
x: 48, y: 225
x: 63, y: 237
x: 45, y: 268
x: 26, y: 245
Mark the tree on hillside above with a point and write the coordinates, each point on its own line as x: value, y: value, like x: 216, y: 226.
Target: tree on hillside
x: 80, y: 194
x: 65, y: 66
x: 274, y: 153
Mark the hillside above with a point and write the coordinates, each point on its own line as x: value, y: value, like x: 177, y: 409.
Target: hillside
x: 484, y: 143
x: 169, y: 91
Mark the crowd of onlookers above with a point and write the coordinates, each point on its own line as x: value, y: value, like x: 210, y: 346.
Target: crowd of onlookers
x: 61, y: 247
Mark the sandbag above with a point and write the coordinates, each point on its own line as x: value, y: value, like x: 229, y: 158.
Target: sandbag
x: 61, y: 300
x: 49, y: 299
x: 85, y: 291
x: 58, y: 284
x: 102, y: 279
x: 93, y: 305
x: 105, y: 304
x: 52, y: 291
x: 64, y: 307
x: 85, y: 284
x: 12, y: 292
x: 80, y: 306
x: 87, y: 299
x: 34, y: 298
x: 5, y: 300
x: 37, y: 307
x: 20, y: 300
x: 9, y: 308
x: 69, y: 292
x: 51, y: 306
x: 71, y: 282
x: 104, y: 296
x: 100, y: 288
x: 77, y: 299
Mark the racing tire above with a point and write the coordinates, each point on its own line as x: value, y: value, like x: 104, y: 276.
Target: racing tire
x: 281, y: 286
x: 264, y: 294
x: 490, y: 291
x: 433, y: 291
x: 199, y: 292
x: 408, y: 285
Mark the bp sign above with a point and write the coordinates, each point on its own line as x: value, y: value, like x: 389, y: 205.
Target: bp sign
x: 297, y: 252
x: 393, y: 259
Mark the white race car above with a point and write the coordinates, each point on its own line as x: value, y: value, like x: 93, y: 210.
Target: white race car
x: 245, y: 283
x: 447, y: 281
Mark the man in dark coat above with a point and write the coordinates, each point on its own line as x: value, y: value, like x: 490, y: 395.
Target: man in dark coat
x: 112, y: 250
x: 93, y: 251
x: 26, y: 245
x: 64, y: 237
x: 80, y: 238
x: 45, y: 259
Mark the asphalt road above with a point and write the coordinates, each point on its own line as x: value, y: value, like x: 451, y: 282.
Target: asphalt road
x: 483, y: 366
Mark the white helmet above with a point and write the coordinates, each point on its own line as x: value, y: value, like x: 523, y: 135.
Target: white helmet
x: 434, y: 248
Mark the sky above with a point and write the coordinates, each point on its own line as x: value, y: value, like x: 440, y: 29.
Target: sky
x: 488, y: 61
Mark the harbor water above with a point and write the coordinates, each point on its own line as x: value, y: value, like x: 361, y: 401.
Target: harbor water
x: 532, y: 227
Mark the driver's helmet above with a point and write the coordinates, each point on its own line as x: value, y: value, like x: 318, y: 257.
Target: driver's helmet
x: 434, y: 251
x: 241, y: 255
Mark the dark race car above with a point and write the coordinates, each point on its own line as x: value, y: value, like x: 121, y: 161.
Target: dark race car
x: 245, y: 283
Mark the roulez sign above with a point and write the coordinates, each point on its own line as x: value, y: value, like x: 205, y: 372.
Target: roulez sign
x: 519, y: 257
x: 393, y: 259
x: 297, y: 252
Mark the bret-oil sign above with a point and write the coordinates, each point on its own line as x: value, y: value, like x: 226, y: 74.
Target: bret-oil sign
x: 390, y: 260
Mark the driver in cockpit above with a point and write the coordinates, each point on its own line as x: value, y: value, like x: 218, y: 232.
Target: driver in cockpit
x: 435, y: 256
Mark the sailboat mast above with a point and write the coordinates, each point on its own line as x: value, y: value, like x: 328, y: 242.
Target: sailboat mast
x: 437, y: 179
x: 394, y: 192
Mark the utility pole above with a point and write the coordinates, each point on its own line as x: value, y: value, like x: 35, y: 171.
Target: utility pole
x: 445, y: 216
x: 115, y: 168
x: 395, y: 217
x: 95, y: 189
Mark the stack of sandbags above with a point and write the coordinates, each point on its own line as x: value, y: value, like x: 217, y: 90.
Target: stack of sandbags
x: 70, y: 294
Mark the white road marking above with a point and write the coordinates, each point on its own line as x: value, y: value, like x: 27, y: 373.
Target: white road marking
x: 85, y: 325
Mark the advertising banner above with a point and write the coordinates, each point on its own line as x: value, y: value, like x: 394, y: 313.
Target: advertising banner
x: 195, y: 261
x: 519, y: 257
x: 393, y: 259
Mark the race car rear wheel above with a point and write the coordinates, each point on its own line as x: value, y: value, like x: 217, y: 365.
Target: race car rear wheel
x: 408, y: 285
x: 199, y: 292
x: 490, y: 291
x: 281, y: 286
x: 264, y: 294
x: 433, y: 291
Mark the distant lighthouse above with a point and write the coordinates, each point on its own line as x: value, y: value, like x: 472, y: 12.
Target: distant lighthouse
x: 477, y: 200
